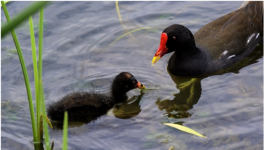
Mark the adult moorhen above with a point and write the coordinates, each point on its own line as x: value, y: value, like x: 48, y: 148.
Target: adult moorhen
x: 87, y: 106
x: 214, y: 47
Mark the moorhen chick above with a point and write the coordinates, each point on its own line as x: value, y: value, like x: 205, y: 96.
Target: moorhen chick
x: 86, y: 106
x: 215, y: 46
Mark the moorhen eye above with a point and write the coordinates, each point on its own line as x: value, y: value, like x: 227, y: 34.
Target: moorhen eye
x: 132, y: 78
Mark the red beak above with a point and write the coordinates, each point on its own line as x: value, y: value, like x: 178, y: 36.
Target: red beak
x: 162, y: 48
x: 140, y: 86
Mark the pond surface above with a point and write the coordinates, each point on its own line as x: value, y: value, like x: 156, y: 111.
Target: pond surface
x: 84, y: 50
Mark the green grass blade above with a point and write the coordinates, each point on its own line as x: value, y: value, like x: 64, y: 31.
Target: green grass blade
x: 45, y: 123
x: 35, y: 68
x: 120, y: 19
x: 41, y: 91
x: 30, y: 10
x: 118, y: 12
x: 24, y: 69
x: 65, y: 131
x: 132, y: 32
x: 41, y: 16
x: 5, y: 2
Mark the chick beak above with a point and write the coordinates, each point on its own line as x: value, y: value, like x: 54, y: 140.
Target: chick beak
x: 140, y: 86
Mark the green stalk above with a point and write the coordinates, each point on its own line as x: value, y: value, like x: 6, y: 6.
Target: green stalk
x: 35, y: 66
x: 38, y: 104
x: 41, y: 18
x: 30, y: 10
x: 45, y: 123
x: 41, y: 91
x: 65, y: 131
x: 5, y: 2
x: 24, y: 69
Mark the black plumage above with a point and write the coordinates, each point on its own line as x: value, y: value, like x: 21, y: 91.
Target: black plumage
x: 216, y: 46
x: 87, y: 106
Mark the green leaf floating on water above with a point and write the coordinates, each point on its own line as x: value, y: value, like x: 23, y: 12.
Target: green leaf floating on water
x: 185, y: 129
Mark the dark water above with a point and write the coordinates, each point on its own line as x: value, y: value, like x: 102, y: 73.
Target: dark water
x: 79, y: 55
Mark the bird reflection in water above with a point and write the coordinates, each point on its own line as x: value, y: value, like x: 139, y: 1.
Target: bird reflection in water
x: 123, y: 110
x: 129, y: 108
x: 190, y: 88
x: 190, y: 92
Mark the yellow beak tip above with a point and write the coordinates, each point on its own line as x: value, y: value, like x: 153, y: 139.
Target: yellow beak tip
x: 155, y: 59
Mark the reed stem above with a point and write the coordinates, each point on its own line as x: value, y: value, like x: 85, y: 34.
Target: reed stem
x: 24, y: 70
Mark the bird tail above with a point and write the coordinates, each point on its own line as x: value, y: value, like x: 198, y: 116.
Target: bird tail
x: 255, y: 11
x: 255, y: 8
